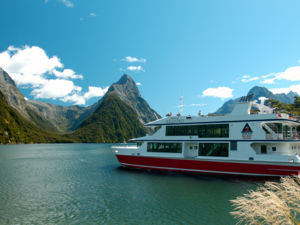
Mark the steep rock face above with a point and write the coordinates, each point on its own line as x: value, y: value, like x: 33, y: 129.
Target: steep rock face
x: 258, y: 92
x: 15, y: 129
x: 11, y: 93
x: 113, y: 121
x: 45, y: 115
x: 128, y: 92
x: 60, y: 118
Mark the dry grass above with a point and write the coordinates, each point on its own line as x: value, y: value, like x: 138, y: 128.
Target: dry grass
x: 271, y: 203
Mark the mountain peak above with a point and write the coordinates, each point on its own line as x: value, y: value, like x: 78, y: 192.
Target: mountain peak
x: 11, y: 92
x: 259, y: 90
x: 124, y: 87
x: 127, y: 90
x: 124, y: 79
x: 5, y: 78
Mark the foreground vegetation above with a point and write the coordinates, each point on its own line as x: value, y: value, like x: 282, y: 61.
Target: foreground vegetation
x: 294, y: 108
x: 272, y: 203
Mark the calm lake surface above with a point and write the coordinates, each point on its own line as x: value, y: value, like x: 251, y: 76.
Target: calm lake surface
x: 83, y: 184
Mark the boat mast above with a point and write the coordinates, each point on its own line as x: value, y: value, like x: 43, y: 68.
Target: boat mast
x: 181, y: 105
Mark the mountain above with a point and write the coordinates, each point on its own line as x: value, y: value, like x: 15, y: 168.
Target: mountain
x: 59, y: 118
x: 258, y: 92
x: 45, y: 115
x: 11, y: 93
x: 262, y: 91
x: 113, y: 121
x: 128, y: 92
x: 117, y: 117
x: 15, y: 129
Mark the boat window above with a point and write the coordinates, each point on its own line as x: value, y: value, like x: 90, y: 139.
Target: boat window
x: 164, y: 147
x: 263, y: 149
x: 138, y: 144
x: 233, y: 145
x: 203, y: 131
x: 276, y: 127
x: 273, y: 149
x: 213, y: 149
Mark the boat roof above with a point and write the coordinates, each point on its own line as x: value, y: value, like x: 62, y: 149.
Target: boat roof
x: 241, y: 113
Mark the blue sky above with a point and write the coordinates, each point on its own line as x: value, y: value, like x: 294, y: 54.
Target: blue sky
x: 69, y: 51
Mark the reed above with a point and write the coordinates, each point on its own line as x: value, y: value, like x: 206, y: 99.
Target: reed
x: 271, y: 203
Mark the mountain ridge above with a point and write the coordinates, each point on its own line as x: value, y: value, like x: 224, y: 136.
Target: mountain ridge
x: 71, y: 121
x: 45, y: 115
x: 15, y: 129
x: 257, y: 92
x: 113, y: 121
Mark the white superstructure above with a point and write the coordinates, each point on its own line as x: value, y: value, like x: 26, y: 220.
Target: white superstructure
x: 263, y: 138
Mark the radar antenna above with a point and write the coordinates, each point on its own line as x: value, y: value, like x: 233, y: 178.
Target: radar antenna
x: 181, y: 105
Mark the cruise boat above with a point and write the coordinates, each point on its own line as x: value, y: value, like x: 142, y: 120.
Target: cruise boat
x: 264, y: 143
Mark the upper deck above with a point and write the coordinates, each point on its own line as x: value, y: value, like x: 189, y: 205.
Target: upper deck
x: 265, y: 125
x: 241, y: 113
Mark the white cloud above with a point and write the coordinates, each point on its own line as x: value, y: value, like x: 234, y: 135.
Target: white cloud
x: 95, y: 92
x: 54, y: 89
x: 247, y: 78
x: 31, y: 67
x: 81, y: 99
x: 290, y: 74
x: 269, y: 81
x: 75, y: 99
x: 67, y: 3
x: 66, y: 74
x: 93, y: 14
x: 135, y: 68
x: 131, y: 59
x: 28, y: 61
x: 293, y: 88
x: 220, y: 92
x: 138, y: 84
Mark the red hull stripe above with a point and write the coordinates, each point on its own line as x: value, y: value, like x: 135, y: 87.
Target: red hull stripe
x: 208, y: 166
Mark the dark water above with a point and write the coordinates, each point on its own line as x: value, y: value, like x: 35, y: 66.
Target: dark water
x: 83, y: 184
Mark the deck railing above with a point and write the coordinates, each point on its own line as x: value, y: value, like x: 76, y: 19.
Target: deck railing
x: 285, y: 136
